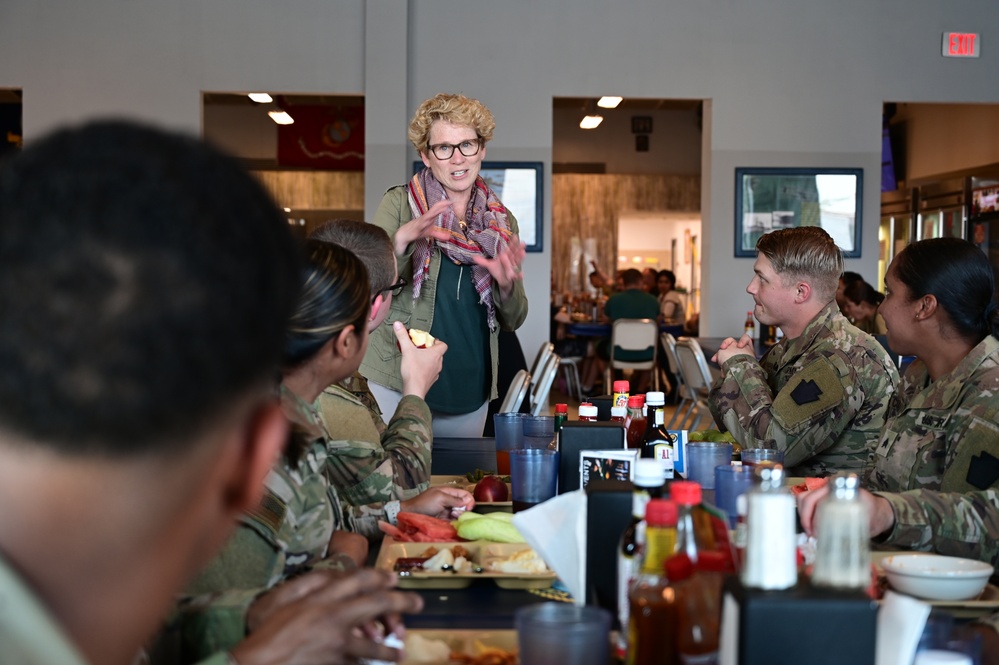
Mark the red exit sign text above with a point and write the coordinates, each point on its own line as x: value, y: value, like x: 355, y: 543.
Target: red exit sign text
x: 961, y: 44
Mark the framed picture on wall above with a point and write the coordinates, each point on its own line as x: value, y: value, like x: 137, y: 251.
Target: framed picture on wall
x: 519, y: 186
x: 767, y: 199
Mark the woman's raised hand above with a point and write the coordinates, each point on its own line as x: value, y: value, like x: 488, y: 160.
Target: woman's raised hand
x: 505, y: 266
x: 421, y: 227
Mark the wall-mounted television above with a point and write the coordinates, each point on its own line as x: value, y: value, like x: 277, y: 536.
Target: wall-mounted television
x: 984, y: 202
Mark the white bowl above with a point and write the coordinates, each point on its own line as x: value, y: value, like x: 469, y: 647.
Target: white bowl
x: 936, y: 577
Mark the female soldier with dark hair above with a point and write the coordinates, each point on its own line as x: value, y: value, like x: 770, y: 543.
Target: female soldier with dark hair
x: 936, y: 469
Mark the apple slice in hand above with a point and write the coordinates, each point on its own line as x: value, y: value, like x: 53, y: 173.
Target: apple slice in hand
x: 421, y: 338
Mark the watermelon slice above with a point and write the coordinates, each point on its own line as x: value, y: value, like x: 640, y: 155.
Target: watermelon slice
x: 809, y: 484
x: 423, y: 528
x: 394, y: 532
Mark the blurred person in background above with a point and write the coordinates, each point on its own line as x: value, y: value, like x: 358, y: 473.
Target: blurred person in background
x: 845, y: 280
x: 671, y: 308
x: 861, y: 304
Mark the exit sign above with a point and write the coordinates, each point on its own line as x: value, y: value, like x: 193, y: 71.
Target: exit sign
x: 961, y: 44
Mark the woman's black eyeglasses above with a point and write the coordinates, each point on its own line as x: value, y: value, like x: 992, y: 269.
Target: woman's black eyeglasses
x: 396, y: 288
x: 467, y: 148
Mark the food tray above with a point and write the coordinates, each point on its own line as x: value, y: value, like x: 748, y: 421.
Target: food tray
x: 986, y: 603
x: 466, y: 642
x: 481, y: 552
x: 480, y: 506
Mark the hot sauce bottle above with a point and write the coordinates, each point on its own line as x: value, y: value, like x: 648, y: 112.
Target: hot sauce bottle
x: 635, y: 421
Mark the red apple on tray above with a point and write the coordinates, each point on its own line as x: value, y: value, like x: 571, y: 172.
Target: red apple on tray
x: 491, y: 490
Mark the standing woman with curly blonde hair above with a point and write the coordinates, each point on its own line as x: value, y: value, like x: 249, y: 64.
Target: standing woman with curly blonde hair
x: 457, y: 245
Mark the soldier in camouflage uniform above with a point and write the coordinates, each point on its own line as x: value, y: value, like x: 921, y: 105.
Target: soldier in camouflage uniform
x: 369, y: 462
x: 937, y: 466
x: 935, y: 474
x: 301, y: 523
x: 821, y: 394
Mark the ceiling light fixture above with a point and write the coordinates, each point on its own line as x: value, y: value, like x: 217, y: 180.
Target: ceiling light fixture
x: 591, y: 121
x: 609, y: 102
x: 281, y: 117
x: 261, y: 97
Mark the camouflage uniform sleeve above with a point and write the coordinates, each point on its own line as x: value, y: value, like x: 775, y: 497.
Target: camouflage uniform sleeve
x: 956, y: 524
x: 742, y: 400
x: 806, y: 418
x: 366, y: 467
x: 363, y: 519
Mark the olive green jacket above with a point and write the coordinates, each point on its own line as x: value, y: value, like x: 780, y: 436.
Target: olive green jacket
x: 381, y: 362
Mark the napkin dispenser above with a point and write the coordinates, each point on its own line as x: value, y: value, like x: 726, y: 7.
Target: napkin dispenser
x: 608, y: 513
x: 803, y: 624
x: 576, y: 436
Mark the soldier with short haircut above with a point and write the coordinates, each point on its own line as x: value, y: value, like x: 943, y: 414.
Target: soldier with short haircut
x: 821, y: 394
x: 369, y: 461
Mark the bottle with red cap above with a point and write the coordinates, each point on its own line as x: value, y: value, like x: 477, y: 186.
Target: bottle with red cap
x: 652, y: 611
x: 695, y: 572
x: 621, y: 395
x: 635, y: 421
x: 649, y: 485
x: 561, y: 415
x: 694, y: 531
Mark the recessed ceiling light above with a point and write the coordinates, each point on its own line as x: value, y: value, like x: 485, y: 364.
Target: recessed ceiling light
x: 260, y: 97
x: 281, y: 117
x: 591, y: 122
x: 609, y: 102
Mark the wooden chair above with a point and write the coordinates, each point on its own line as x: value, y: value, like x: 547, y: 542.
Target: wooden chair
x: 516, y: 392
x: 632, y: 335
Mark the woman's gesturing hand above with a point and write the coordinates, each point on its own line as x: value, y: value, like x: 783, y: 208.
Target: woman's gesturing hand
x: 421, y: 227
x: 505, y: 266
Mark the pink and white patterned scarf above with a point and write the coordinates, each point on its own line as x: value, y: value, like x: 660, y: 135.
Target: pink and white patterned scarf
x: 486, y: 233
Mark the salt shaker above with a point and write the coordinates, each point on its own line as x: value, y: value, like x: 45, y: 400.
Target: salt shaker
x: 843, y: 553
x: 771, y: 546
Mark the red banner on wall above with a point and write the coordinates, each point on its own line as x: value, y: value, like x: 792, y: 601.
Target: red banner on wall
x: 323, y: 137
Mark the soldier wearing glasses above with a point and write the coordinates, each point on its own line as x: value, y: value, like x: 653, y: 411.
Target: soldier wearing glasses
x: 370, y: 461
x: 457, y: 245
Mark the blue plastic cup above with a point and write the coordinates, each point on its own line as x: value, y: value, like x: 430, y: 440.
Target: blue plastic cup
x: 533, y: 477
x: 731, y: 482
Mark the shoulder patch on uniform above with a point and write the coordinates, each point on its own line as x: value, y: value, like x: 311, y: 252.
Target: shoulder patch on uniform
x: 806, y: 392
x: 812, y: 391
x: 983, y: 471
x: 270, y: 512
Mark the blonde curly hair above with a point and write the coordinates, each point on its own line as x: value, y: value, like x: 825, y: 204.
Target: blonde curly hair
x: 456, y: 109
